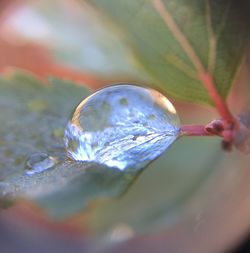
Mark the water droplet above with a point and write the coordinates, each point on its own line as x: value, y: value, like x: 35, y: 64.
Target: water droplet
x: 120, y: 233
x: 39, y: 162
x: 121, y: 126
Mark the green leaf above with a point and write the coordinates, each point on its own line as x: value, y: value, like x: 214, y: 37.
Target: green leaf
x: 33, y: 116
x: 176, y: 40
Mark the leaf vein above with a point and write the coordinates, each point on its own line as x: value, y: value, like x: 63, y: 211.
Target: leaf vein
x: 177, y: 33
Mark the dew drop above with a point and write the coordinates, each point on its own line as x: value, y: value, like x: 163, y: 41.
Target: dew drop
x: 135, y: 126
x: 39, y: 162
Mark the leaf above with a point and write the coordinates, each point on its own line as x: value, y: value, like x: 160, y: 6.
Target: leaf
x: 33, y: 117
x: 177, y: 40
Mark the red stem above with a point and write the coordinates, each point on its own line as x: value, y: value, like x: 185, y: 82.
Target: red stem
x: 195, y: 130
x: 220, y: 104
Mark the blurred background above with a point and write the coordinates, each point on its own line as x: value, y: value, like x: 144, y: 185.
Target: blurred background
x: 195, y: 198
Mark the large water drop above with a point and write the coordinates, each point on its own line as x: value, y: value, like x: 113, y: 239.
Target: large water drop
x: 121, y: 126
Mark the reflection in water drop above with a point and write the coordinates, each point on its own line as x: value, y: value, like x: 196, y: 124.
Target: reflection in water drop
x: 39, y: 162
x: 121, y: 126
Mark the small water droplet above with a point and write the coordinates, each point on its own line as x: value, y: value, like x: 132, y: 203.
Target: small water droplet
x: 138, y: 124
x: 39, y: 162
x: 120, y: 233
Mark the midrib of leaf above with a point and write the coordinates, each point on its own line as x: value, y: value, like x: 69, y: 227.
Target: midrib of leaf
x: 178, y: 35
